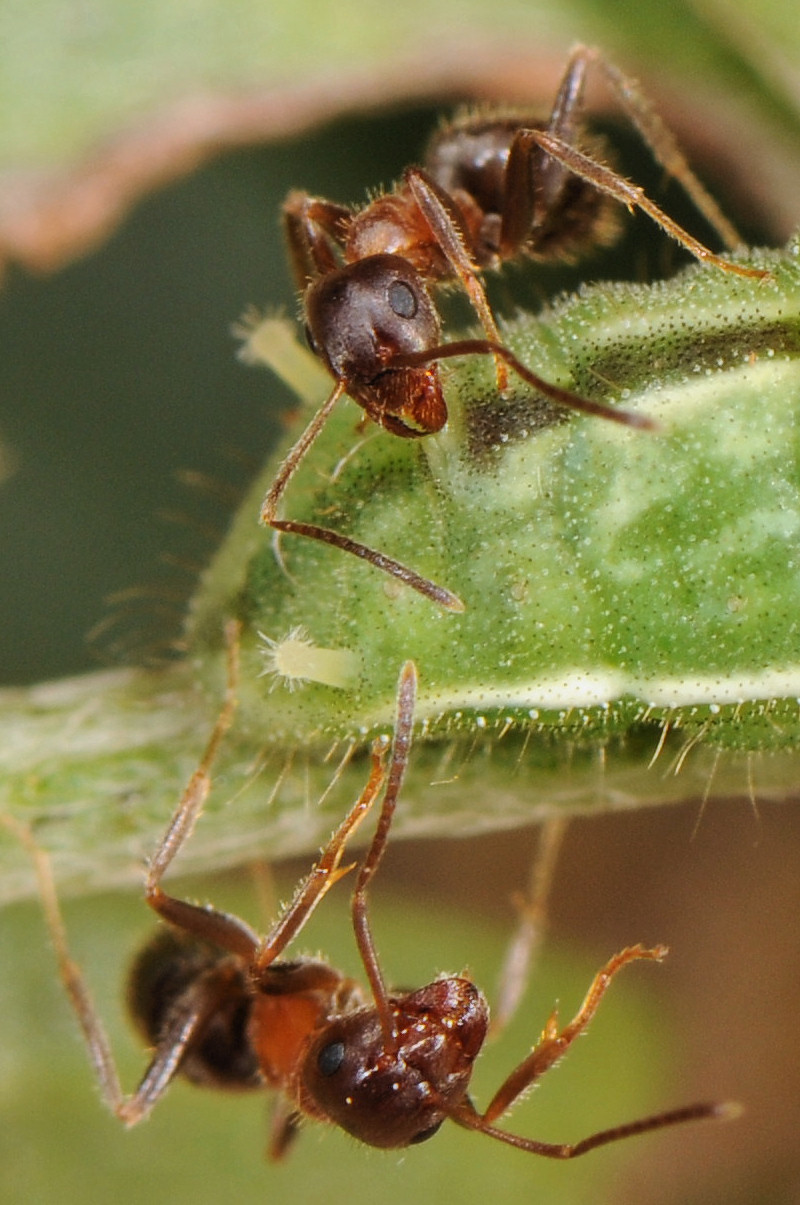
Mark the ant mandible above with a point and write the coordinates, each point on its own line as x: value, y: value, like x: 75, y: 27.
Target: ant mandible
x: 493, y: 188
x: 219, y: 1007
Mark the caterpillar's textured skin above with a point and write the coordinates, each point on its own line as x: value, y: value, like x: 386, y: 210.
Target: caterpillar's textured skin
x: 611, y: 578
x: 632, y: 604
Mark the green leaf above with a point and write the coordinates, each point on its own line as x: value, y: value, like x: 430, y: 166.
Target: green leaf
x: 71, y: 74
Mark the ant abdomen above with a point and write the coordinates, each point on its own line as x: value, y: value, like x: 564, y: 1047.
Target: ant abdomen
x: 469, y: 155
x: 396, y: 1093
x: 173, y: 976
x: 515, y: 199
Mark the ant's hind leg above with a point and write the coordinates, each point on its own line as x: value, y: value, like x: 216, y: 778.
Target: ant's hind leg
x: 194, y: 796
x: 232, y: 935
x: 220, y: 928
x: 173, y: 1044
x: 637, y: 108
x: 94, y: 1033
x: 633, y: 197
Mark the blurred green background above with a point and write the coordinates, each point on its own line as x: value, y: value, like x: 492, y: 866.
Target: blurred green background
x: 118, y: 375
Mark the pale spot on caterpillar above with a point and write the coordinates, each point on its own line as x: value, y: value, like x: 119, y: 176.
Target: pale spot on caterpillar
x: 296, y: 660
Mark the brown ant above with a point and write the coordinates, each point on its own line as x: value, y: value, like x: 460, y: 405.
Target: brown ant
x: 218, y: 1005
x: 493, y: 188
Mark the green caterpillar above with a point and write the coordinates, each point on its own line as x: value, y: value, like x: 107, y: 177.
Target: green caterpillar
x: 611, y: 577
x: 632, y: 599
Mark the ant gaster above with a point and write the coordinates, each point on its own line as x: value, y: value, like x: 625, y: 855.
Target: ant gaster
x: 219, y: 1006
x: 493, y: 188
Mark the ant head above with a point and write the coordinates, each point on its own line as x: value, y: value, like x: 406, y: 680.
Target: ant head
x: 363, y: 319
x: 396, y: 1094
x: 362, y: 315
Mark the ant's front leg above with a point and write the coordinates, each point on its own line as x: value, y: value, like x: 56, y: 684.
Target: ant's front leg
x: 313, y: 228
x: 325, y: 872
x: 219, y: 928
x: 269, y: 516
x: 438, y: 210
x: 554, y: 1043
x: 551, y: 1047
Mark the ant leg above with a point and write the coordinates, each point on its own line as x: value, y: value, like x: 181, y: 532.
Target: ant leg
x: 311, y: 226
x: 184, y: 1027
x: 532, y: 910
x: 226, y: 931
x: 554, y: 1043
x: 284, y: 1128
x: 92, y: 1028
x: 423, y: 585
x: 632, y: 197
x: 467, y: 1115
x: 324, y: 874
x: 435, y: 206
x: 187, y: 1022
x: 292, y: 459
x: 401, y: 747
x: 532, y: 189
x: 549, y: 1050
x: 220, y: 928
x: 437, y: 594
x: 562, y: 134
x: 657, y: 136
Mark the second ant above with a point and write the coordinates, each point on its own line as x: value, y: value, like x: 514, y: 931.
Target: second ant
x: 493, y: 188
x: 220, y: 1005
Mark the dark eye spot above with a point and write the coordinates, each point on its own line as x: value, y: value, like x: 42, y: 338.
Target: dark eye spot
x: 310, y: 340
x: 330, y: 1058
x: 402, y: 300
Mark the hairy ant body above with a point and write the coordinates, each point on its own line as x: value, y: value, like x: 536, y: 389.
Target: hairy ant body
x: 493, y: 189
x: 219, y: 1006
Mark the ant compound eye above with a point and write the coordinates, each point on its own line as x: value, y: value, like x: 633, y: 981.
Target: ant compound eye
x: 402, y: 299
x: 424, y: 1135
x: 330, y: 1058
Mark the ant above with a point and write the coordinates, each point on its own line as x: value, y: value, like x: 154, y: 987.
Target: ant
x: 220, y: 1006
x: 493, y: 188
